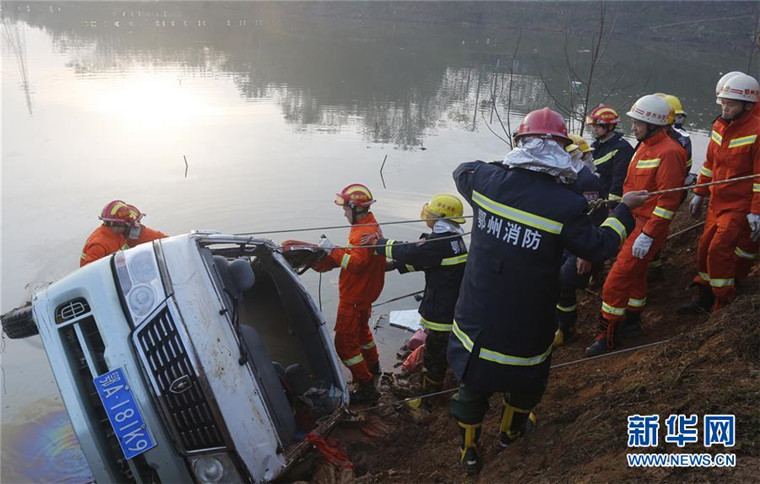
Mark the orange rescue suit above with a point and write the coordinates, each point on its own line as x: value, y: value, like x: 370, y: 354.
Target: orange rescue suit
x: 361, y: 280
x: 659, y: 163
x: 725, y: 249
x: 102, y: 242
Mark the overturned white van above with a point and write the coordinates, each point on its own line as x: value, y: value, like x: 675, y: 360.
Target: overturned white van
x: 199, y: 357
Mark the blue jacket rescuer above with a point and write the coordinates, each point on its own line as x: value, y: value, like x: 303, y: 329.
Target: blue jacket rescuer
x: 525, y: 215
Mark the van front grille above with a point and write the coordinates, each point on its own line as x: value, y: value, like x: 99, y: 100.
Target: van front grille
x: 176, y: 384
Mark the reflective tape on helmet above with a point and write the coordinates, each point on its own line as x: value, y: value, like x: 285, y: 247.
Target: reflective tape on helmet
x: 452, y: 261
x: 617, y: 226
x: 344, y: 261
x: 663, y: 213
x: 744, y: 141
x: 498, y: 357
x: 648, y: 164
x: 612, y: 309
x: 721, y: 282
x: 389, y: 248
x: 426, y: 323
x: 637, y: 303
x: 716, y: 137
x: 521, y: 216
x: 745, y: 255
x: 567, y: 309
x: 706, y: 172
x: 354, y: 361
x: 604, y: 159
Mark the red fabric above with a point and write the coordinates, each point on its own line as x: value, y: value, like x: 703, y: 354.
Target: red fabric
x: 147, y: 234
x: 413, y: 362
x: 628, y: 276
x: 363, y: 272
x: 353, y: 340
x: 723, y: 162
x: 101, y: 242
x: 330, y: 450
x: 716, y: 252
x: 669, y: 173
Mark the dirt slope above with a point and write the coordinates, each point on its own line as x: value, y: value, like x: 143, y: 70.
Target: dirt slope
x: 710, y: 365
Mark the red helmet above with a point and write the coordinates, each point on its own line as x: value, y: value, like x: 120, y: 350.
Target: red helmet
x: 602, y: 115
x: 119, y: 212
x: 543, y: 122
x: 354, y: 195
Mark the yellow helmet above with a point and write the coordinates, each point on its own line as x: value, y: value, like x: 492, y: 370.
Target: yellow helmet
x: 674, y: 102
x: 443, y: 206
x: 581, y: 143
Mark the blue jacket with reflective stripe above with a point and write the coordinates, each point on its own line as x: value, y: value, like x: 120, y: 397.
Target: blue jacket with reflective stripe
x: 504, y: 319
x: 611, y: 159
x: 443, y: 262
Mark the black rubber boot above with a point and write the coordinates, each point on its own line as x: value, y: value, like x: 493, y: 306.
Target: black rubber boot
x: 468, y: 449
x: 365, y: 393
x: 515, y: 422
x: 631, y: 325
x: 702, y: 304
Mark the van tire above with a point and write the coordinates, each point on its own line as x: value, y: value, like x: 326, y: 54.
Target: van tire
x: 18, y: 323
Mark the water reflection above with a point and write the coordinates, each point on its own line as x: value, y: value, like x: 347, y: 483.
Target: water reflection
x: 43, y: 448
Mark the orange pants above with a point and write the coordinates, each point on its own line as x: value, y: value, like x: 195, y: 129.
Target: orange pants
x: 747, y: 251
x: 717, y: 255
x: 354, y: 342
x: 626, y: 284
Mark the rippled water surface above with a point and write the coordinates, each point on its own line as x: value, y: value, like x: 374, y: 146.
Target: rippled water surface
x: 274, y: 112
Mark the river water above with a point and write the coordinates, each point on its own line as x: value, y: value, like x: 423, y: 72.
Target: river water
x: 274, y: 112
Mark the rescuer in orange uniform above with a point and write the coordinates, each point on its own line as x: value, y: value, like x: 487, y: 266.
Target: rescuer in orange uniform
x: 732, y: 227
x: 361, y: 280
x: 658, y: 164
x: 121, y: 229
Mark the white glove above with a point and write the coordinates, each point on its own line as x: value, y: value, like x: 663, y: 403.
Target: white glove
x: 695, y: 206
x: 754, y: 226
x: 325, y: 244
x: 641, y: 245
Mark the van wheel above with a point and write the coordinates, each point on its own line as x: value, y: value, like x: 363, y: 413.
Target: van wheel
x: 18, y: 323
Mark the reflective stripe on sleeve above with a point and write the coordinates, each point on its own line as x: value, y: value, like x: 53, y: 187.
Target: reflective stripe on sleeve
x: 617, y: 226
x: 368, y: 346
x: 354, y: 361
x: 410, y: 268
x: 706, y: 172
x: 653, y: 163
x: 604, y: 159
x: 744, y: 141
x: 637, y: 303
x: 511, y: 213
x: 389, y: 248
x: 344, y: 261
x: 756, y: 187
x: 426, y: 323
x: 745, y: 255
x: 461, y: 336
x: 612, y: 310
x: 452, y: 261
x: 614, y: 198
x: 567, y: 309
x: 704, y: 276
x: 663, y: 213
x: 716, y: 137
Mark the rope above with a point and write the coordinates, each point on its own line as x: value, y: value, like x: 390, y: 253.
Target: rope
x: 397, y: 298
x: 310, y: 229
x: 447, y: 237
x: 700, y: 185
x: 560, y: 365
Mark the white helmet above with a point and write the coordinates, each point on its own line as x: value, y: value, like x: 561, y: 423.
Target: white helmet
x: 651, y: 109
x: 741, y: 87
x: 722, y: 81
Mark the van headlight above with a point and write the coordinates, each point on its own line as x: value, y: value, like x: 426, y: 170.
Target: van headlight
x: 140, y: 281
x: 213, y: 468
